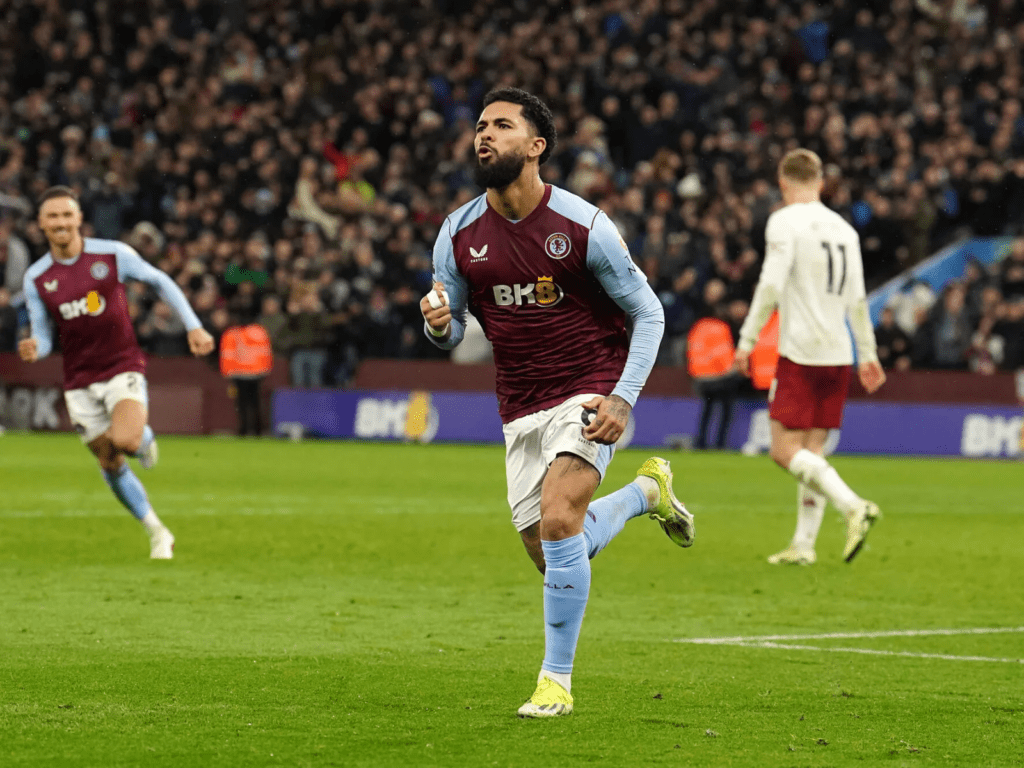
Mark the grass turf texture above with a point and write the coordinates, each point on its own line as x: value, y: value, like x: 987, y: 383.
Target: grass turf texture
x: 371, y: 605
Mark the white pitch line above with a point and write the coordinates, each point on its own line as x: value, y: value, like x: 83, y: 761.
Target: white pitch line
x: 239, y: 504
x: 769, y: 641
x: 875, y: 652
x: 738, y: 640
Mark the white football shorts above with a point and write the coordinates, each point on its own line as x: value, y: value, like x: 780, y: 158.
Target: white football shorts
x: 532, y: 442
x: 90, y: 407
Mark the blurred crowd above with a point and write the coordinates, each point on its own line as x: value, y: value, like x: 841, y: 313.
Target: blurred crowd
x: 292, y: 160
x: 975, y: 323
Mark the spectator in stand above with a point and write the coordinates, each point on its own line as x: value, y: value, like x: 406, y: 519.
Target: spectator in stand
x: 14, y: 259
x: 952, y: 329
x: 975, y: 281
x: 882, y: 237
x: 893, y: 342
x: 1009, y: 329
x: 163, y: 333
x: 1011, y: 277
x: 917, y: 214
x: 922, y: 343
x: 915, y: 295
x: 8, y: 322
x: 220, y: 321
x: 275, y: 323
x: 307, y: 337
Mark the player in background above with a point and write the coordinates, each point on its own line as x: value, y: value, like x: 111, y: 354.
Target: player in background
x: 813, y: 273
x: 551, y: 282
x: 78, y: 284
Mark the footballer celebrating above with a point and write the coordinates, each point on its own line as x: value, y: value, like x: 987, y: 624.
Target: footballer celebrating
x: 78, y: 284
x: 813, y: 273
x: 551, y: 281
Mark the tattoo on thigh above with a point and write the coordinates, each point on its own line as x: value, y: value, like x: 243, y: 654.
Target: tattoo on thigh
x: 573, y: 464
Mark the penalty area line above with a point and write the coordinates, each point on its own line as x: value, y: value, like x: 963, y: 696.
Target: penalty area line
x: 739, y: 639
x: 772, y: 642
x: 875, y: 652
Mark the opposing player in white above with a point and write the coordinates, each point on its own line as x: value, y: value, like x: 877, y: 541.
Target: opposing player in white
x: 813, y: 273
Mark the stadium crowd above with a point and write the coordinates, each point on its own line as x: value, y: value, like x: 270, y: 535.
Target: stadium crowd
x: 293, y: 160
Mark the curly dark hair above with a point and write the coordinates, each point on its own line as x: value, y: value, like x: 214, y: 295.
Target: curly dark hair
x: 535, y: 111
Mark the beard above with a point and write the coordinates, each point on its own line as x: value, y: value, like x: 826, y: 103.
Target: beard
x: 501, y: 171
x: 60, y: 238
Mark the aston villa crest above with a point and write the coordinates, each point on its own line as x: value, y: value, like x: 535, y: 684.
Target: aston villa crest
x: 558, y: 246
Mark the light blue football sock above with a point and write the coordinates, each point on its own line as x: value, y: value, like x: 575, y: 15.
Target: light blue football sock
x: 607, y: 516
x: 566, y: 589
x: 128, y: 490
x: 147, y: 439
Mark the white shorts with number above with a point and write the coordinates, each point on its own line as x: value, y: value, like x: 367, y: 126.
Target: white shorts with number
x: 90, y: 407
x: 532, y: 442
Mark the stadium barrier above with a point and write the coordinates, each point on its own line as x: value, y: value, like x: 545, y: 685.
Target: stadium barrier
x: 472, y: 417
x: 917, y: 413
x: 941, y: 387
x: 922, y: 413
x: 186, y: 396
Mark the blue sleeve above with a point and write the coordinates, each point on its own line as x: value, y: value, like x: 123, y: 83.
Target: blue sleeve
x: 130, y: 265
x: 38, y: 318
x: 648, y: 326
x: 446, y: 271
x: 609, y: 260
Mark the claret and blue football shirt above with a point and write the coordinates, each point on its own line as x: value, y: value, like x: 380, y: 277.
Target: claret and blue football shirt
x: 551, y: 292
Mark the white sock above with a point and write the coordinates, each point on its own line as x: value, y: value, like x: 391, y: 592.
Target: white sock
x: 151, y: 522
x: 810, y: 468
x: 562, y: 678
x: 810, y: 509
x: 650, y: 488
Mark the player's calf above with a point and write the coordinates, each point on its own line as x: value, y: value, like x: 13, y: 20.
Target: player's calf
x: 107, y: 454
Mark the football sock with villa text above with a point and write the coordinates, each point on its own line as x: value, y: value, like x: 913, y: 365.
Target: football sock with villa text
x: 566, y: 589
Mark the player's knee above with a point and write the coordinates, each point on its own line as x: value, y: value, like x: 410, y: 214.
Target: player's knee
x: 127, y: 440
x: 557, y: 520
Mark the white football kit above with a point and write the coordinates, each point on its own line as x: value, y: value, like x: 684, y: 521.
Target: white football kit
x: 814, y: 274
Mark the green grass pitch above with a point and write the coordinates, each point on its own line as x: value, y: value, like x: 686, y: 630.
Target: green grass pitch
x: 357, y: 604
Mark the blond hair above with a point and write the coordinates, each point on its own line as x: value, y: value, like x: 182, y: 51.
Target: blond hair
x: 801, y: 166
